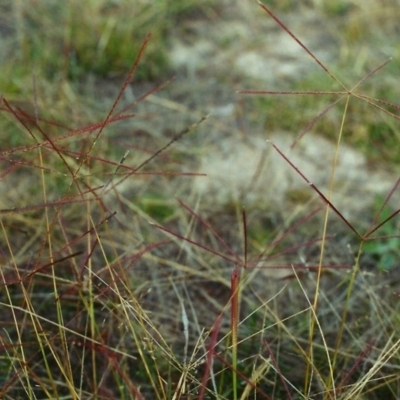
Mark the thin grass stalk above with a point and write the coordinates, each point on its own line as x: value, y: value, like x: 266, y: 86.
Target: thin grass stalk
x: 210, y: 356
x: 43, y: 342
x: 319, y: 271
x: 244, y: 378
x: 90, y: 303
x: 386, y: 354
x: 142, y: 320
x: 147, y: 339
x: 346, y: 304
x: 235, y: 294
x: 64, y: 365
x: 330, y: 380
x: 274, y: 362
x: 138, y: 324
x: 300, y: 43
x: 116, y: 101
x: 23, y: 360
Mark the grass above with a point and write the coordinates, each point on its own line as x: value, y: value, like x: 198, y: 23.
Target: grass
x: 72, y: 40
x: 117, y: 282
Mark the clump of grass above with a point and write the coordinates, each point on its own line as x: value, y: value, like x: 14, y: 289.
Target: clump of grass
x: 57, y: 287
x: 99, y: 303
x: 73, y: 40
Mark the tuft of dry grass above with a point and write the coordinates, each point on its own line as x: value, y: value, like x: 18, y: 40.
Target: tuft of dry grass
x: 120, y: 281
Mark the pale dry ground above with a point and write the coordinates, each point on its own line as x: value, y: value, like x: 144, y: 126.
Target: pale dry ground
x: 241, y: 47
x: 240, y: 165
x: 253, y: 172
x: 245, y: 49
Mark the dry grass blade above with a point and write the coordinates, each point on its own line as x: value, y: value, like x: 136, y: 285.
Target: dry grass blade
x: 273, y: 275
x: 304, y: 47
x: 320, y: 194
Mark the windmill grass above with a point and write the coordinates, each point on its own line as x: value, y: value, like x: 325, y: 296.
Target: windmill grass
x: 118, y: 282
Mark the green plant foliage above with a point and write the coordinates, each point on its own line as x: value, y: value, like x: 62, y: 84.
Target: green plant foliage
x: 72, y: 39
x: 156, y: 207
x: 84, y: 37
x: 385, y: 252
